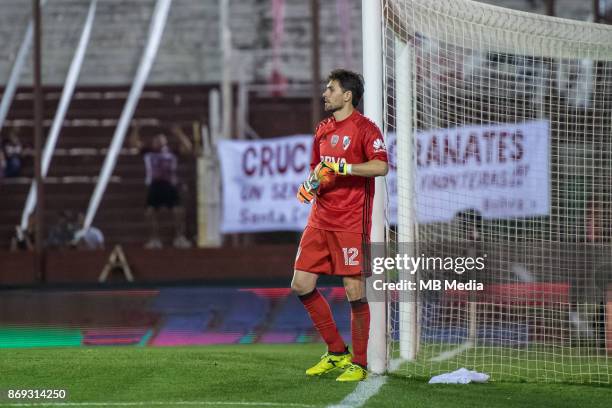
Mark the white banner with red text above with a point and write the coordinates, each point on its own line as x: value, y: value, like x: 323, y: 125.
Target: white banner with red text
x: 500, y: 171
x: 260, y: 180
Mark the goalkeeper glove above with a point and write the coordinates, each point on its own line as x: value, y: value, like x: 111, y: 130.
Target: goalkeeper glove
x: 308, y: 189
x: 325, y: 169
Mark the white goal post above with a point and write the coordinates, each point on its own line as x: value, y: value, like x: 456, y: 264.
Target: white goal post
x: 373, y: 109
x: 500, y: 124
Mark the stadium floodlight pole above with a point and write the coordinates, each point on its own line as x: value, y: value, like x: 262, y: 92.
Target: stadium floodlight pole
x: 13, y: 81
x: 60, y: 114
x: 371, y: 11
x: 156, y: 29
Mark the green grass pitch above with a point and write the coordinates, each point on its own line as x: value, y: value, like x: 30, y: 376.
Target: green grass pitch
x: 248, y: 375
x: 536, y: 363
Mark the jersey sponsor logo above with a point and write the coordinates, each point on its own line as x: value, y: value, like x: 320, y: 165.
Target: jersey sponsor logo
x: 379, y: 145
x: 346, y: 141
x: 334, y: 140
x: 333, y: 159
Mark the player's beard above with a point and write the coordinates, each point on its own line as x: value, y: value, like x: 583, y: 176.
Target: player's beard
x: 329, y: 107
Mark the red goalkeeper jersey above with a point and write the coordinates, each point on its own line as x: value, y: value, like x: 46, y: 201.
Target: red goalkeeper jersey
x: 345, y: 202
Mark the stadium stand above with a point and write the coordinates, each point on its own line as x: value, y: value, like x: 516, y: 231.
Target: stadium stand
x: 86, y: 134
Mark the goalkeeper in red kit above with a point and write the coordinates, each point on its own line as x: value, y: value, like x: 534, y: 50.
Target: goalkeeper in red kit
x: 347, y: 153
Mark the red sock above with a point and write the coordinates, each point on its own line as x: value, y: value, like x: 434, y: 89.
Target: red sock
x: 320, y: 313
x: 360, y: 331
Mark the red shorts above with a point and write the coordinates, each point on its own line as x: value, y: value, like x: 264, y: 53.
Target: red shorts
x: 331, y: 252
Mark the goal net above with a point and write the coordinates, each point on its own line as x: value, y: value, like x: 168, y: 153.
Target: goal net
x: 501, y: 124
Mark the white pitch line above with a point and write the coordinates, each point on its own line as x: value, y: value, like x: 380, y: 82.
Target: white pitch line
x: 446, y: 355
x: 364, y: 390
x: 150, y: 403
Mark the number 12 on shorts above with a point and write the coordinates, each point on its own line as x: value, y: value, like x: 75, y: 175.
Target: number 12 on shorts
x: 349, y: 256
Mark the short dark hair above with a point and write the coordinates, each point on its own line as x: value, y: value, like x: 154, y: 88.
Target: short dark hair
x: 349, y: 81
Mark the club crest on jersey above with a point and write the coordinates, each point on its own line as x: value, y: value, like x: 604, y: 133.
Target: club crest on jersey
x: 334, y: 140
x: 379, y: 145
x: 346, y: 141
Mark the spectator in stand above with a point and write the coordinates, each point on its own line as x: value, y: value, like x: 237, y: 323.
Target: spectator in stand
x: 162, y: 184
x: 62, y: 232
x: 23, y: 240
x: 91, y: 238
x: 12, y: 152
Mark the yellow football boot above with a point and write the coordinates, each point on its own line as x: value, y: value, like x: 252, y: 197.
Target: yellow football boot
x: 353, y: 372
x: 330, y: 362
